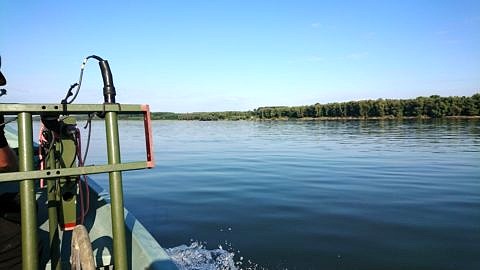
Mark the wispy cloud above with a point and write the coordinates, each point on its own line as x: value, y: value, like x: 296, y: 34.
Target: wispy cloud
x: 369, y: 35
x: 316, y: 25
x: 309, y: 59
x: 472, y: 19
x: 315, y: 59
x: 442, y: 32
x: 448, y: 37
x: 357, y: 55
x: 453, y: 41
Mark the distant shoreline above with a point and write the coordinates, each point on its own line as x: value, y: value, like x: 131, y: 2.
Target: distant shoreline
x: 432, y: 107
x: 421, y: 107
x: 366, y: 118
x: 319, y: 118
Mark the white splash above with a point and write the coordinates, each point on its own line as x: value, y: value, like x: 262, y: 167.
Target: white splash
x: 197, y: 257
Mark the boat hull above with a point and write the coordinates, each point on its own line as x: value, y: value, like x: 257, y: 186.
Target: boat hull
x: 143, y: 251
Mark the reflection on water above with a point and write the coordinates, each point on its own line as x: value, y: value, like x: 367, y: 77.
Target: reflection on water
x: 312, y: 195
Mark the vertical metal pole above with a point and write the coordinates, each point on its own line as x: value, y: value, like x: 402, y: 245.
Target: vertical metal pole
x: 27, y: 193
x: 53, y: 214
x: 116, y: 193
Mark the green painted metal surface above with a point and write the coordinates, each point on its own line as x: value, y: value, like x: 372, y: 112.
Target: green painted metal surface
x: 27, y: 195
x: 55, y: 173
x: 61, y: 175
x: 65, y: 157
x: 116, y: 192
x: 143, y: 251
x: 15, y: 108
x: 52, y: 205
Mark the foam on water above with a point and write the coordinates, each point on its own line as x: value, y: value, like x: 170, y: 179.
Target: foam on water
x: 197, y: 257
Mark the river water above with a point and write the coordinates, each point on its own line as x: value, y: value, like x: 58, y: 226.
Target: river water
x: 310, y: 194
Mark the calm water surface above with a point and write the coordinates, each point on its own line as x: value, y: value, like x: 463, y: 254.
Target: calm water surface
x: 312, y: 195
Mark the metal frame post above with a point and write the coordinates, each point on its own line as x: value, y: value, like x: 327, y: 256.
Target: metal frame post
x: 27, y: 176
x: 27, y: 193
x: 52, y: 190
x: 116, y: 193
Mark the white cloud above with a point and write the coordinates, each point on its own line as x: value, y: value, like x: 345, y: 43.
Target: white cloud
x: 316, y: 25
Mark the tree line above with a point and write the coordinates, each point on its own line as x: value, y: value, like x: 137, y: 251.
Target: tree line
x: 433, y: 107
x: 228, y: 115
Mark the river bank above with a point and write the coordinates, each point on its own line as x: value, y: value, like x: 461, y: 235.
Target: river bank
x: 432, y: 107
x: 252, y: 118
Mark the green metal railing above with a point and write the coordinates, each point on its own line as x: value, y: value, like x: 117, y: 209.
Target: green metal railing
x: 27, y: 174
x: 27, y: 193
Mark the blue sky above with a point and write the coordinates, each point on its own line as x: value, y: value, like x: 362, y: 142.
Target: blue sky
x: 185, y: 56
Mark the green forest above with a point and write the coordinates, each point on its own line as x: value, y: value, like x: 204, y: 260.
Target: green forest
x: 422, y: 107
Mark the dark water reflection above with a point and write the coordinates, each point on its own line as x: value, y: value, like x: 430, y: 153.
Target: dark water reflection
x: 314, y: 195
